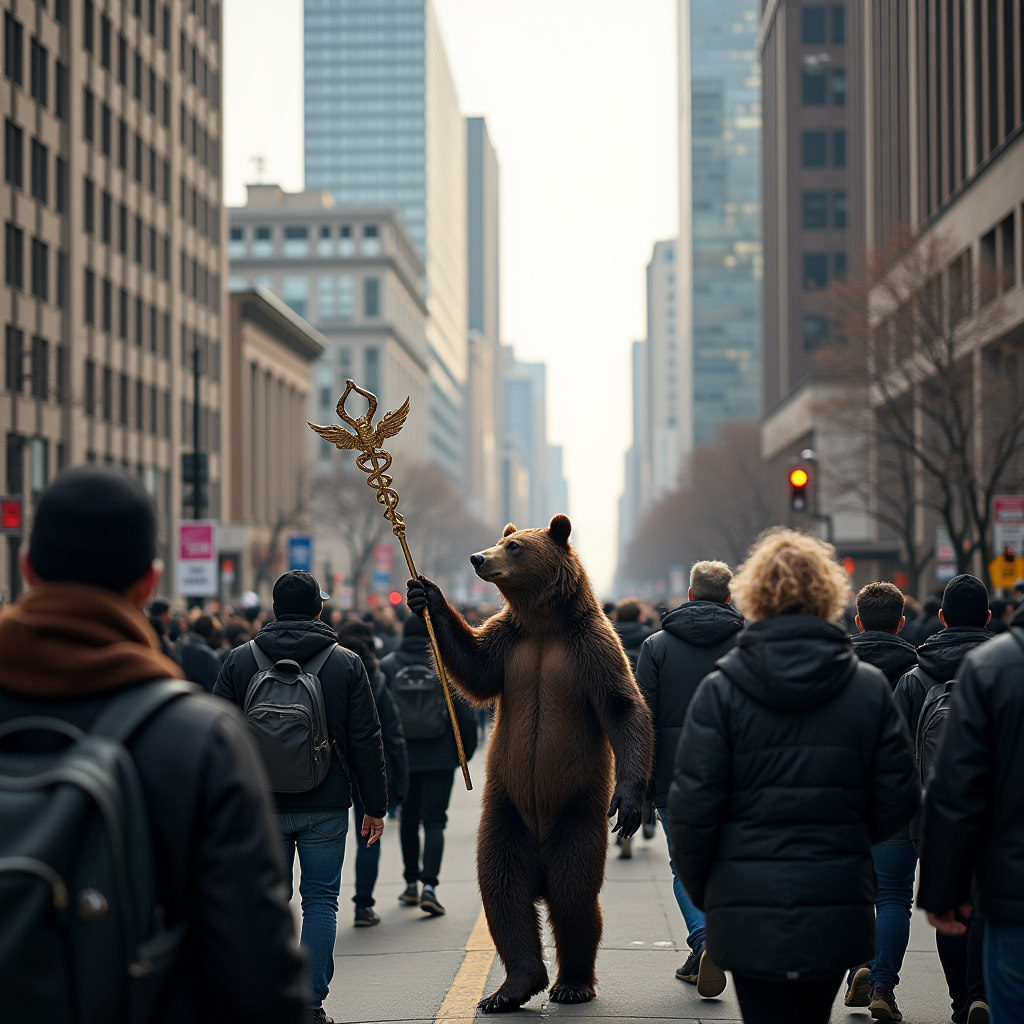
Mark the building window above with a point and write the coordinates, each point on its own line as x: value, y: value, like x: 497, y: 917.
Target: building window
x: 15, y: 354
x: 815, y: 332
x: 812, y: 87
x: 814, y: 149
x: 236, y: 244
x: 40, y: 171
x: 838, y: 25
x: 60, y: 91
x: 106, y: 217
x: 371, y: 240
x: 88, y: 25
x: 88, y: 115
x: 107, y: 305
x: 812, y: 25
x: 325, y: 298
x: 839, y: 210
x: 14, y: 154
x: 40, y: 368
x: 62, y: 280
x: 346, y: 244
x: 40, y: 270
x: 296, y: 242
x: 89, y: 297
x: 839, y: 149
x: 295, y: 292
x: 371, y: 297
x: 815, y: 210
x: 122, y: 314
x: 325, y: 244
x: 88, y: 206
x: 838, y: 80
x: 90, y: 388
x: 14, y: 49
x: 39, y: 73
x: 15, y: 270
x: 345, y: 362
x: 372, y: 357
x: 107, y: 397
x: 815, y: 271
x: 839, y: 266
x: 346, y: 296
x: 104, y: 41
x: 263, y: 243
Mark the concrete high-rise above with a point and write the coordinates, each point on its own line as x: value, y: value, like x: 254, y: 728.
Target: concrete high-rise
x: 383, y: 127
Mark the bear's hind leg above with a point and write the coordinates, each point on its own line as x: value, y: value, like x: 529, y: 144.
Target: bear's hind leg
x: 508, y: 869
x: 573, y: 856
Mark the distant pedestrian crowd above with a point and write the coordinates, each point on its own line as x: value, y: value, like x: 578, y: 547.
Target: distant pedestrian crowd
x: 816, y: 756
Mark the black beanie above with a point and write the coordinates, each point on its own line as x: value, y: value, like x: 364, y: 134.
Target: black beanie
x: 93, y: 525
x: 414, y: 626
x: 965, y: 601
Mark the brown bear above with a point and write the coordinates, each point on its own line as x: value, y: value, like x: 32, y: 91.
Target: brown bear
x: 567, y: 702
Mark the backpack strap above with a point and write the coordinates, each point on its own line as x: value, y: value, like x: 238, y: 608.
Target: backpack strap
x: 262, y: 661
x: 317, y: 662
x: 128, y: 712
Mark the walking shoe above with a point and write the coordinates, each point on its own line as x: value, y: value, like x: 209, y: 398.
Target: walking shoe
x: 978, y: 1013
x: 710, y: 977
x: 366, y: 917
x: 626, y: 853
x: 318, y: 1015
x: 883, y: 1004
x: 648, y: 830
x: 430, y: 903
x: 411, y: 896
x: 858, y: 987
x: 688, y: 972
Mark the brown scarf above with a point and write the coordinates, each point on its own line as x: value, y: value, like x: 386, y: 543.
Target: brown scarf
x: 69, y: 640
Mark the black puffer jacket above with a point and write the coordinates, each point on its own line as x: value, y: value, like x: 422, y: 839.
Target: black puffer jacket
x: 198, y: 660
x: 792, y: 764
x: 672, y: 664
x: 396, y: 756
x: 632, y: 635
x: 974, y: 810
x: 938, y: 658
x: 352, y: 722
x: 886, y: 651
x: 441, y: 753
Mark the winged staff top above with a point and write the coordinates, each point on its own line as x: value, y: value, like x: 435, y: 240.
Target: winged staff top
x: 366, y: 437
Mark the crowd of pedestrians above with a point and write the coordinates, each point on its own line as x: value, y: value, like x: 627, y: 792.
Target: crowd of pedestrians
x: 157, y: 781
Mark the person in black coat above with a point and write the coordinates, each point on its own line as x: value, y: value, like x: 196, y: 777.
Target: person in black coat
x: 880, y: 619
x: 432, y: 764
x: 197, y: 658
x: 316, y: 822
x: 631, y: 631
x: 672, y: 664
x: 972, y: 852
x: 396, y: 764
x: 792, y: 764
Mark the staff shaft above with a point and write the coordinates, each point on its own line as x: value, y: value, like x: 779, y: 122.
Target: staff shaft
x: 440, y: 668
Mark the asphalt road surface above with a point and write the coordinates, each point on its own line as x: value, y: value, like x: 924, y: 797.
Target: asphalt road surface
x: 412, y: 967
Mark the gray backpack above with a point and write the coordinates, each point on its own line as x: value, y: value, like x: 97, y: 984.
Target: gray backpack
x: 284, y: 706
x: 82, y: 933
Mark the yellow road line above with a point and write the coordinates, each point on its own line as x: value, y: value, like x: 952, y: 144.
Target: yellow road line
x: 467, y: 988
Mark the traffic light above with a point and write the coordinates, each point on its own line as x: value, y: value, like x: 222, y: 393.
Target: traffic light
x: 798, y: 480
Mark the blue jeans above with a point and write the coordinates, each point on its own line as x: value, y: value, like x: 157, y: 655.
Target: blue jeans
x: 367, y: 859
x: 691, y: 915
x: 1004, y: 970
x: 319, y: 837
x: 895, y: 866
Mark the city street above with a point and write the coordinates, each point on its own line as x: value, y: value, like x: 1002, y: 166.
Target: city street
x: 415, y: 968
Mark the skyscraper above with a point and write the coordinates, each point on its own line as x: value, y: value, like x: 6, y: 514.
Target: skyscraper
x: 383, y: 127
x: 720, y: 145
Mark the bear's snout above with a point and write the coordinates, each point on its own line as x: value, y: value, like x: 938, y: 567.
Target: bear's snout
x: 477, y: 560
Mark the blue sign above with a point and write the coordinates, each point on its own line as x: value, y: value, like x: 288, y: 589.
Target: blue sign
x: 381, y: 578
x: 300, y: 553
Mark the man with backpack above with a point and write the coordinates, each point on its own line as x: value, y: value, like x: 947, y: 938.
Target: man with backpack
x: 433, y: 758
x: 972, y: 853
x: 309, y: 706
x: 135, y: 830
x: 923, y: 695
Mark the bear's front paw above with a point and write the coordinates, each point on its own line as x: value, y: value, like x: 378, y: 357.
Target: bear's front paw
x: 500, y: 1002
x: 565, y: 992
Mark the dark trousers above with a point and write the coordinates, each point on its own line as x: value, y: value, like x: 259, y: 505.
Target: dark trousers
x: 427, y: 802
x: 962, y: 958
x: 367, y: 859
x: 786, y: 1002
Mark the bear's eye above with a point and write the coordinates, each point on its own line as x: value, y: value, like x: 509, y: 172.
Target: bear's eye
x: 513, y: 546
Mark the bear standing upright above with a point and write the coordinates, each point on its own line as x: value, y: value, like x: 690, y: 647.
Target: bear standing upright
x: 566, y: 701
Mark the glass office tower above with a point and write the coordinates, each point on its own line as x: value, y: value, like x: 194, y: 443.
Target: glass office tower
x: 383, y: 127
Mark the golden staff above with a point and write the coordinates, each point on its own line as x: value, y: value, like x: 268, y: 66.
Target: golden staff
x: 375, y: 462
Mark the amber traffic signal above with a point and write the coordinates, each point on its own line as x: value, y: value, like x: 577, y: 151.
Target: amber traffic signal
x: 798, y: 480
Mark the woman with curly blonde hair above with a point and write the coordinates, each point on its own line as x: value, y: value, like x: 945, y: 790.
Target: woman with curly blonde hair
x: 792, y: 764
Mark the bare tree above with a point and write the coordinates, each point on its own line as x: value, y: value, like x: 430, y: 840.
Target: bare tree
x: 267, y: 557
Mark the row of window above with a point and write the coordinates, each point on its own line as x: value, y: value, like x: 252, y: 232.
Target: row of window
x: 823, y: 148
x: 209, y: 427
x: 295, y: 241
x: 143, y: 75
x: 204, y: 78
x: 209, y: 352
x: 116, y: 398
x: 203, y: 215
x: 129, y: 144
x: 135, y: 320
x: 203, y: 145
x: 146, y: 245
x: 145, y: 11
x: 820, y: 268
x: 39, y: 65
x: 335, y: 296
x: 821, y: 24
x: 822, y: 210
x: 199, y: 283
x: 14, y: 266
x: 818, y: 87
x: 28, y: 368
x: 14, y: 166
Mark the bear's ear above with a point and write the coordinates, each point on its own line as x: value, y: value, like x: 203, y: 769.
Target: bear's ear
x: 511, y: 528
x: 560, y: 528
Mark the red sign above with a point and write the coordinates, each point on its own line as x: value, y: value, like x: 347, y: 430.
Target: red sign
x: 196, y: 541
x: 10, y: 513
x: 383, y: 558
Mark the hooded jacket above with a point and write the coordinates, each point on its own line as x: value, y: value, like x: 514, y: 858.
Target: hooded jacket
x: 65, y: 650
x: 438, y: 754
x: 938, y: 659
x: 886, y: 651
x: 792, y: 764
x: 632, y: 636
x: 671, y: 666
x: 352, y: 723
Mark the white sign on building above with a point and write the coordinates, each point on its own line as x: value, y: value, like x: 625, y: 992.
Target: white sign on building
x: 197, y: 558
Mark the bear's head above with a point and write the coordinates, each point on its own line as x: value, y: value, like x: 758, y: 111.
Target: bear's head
x: 538, y: 567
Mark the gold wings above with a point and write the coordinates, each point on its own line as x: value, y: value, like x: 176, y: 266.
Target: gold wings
x: 338, y: 436
x: 390, y: 425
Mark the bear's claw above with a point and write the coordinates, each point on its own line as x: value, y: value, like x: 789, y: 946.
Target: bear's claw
x: 563, y: 992
x: 500, y: 1002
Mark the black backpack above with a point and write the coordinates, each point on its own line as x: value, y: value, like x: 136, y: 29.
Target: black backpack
x: 930, y: 726
x: 82, y: 936
x: 420, y: 703
x: 284, y: 706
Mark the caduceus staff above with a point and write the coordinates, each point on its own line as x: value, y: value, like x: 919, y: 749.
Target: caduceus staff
x: 375, y: 462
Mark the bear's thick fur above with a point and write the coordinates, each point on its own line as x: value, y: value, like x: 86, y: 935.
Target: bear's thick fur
x: 566, y: 702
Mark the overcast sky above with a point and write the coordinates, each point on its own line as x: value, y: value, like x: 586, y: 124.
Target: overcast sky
x: 579, y: 97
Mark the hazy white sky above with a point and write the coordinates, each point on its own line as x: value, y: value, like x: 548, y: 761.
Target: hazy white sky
x: 579, y: 97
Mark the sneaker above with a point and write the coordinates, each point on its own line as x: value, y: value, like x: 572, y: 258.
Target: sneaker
x: 411, y: 896
x: 626, y: 853
x: 688, y: 972
x: 366, y: 917
x: 648, y: 829
x: 430, y: 903
x: 883, y: 1004
x: 318, y: 1015
x: 710, y: 977
x: 858, y: 987
x: 978, y: 1013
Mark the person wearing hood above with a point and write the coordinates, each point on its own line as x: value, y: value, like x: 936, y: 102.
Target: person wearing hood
x: 880, y: 618
x: 671, y: 666
x: 792, y: 764
x: 73, y: 645
x: 631, y: 631
x: 315, y: 822
x: 964, y: 614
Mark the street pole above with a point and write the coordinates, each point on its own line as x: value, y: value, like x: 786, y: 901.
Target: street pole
x: 197, y: 491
